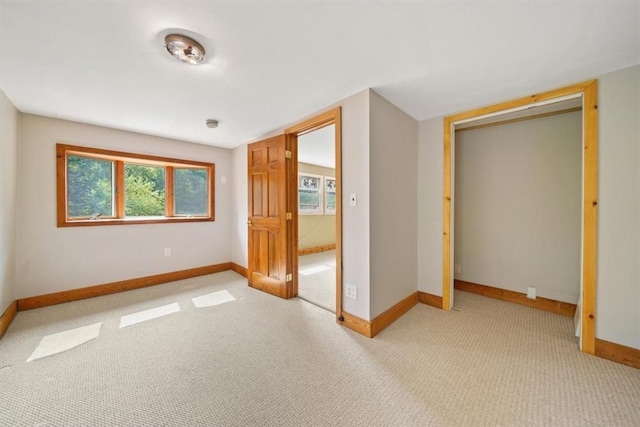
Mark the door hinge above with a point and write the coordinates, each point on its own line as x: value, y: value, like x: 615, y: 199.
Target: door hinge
x: 287, y: 154
x: 288, y: 216
x: 289, y: 277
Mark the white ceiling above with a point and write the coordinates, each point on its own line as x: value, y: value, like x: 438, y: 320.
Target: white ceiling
x: 270, y: 63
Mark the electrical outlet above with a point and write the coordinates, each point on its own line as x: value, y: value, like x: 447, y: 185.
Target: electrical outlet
x: 167, y: 251
x: 352, y: 292
x: 457, y: 268
x: 531, y: 292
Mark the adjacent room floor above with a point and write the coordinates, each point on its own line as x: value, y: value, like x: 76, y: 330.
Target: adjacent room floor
x: 317, y: 279
x: 212, y: 351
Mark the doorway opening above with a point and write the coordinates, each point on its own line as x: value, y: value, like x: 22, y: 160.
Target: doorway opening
x: 273, y: 212
x: 317, y: 217
x: 587, y: 93
x: 317, y: 209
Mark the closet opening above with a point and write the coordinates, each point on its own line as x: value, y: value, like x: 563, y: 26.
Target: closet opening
x: 509, y: 208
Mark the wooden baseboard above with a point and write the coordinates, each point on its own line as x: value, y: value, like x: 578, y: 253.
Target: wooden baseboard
x: 394, y: 313
x: 114, y: 287
x: 316, y: 250
x: 7, y: 317
x: 432, y: 300
x: 618, y: 353
x: 558, y: 307
x: 377, y: 325
x: 361, y: 326
x: 239, y: 269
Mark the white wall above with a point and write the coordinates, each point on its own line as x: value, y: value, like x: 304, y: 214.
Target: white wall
x: 393, y: 188
x: 518, y: 205
x: 8, y: 188
x: 618, y: 290
x: 430, y: 194
x: 618, y: 286
x: 356, y: 219
x: 52, y: 259
x: 240, y: 207
x: 355, y: 179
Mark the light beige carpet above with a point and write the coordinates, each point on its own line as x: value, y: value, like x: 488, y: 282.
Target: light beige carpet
x: 258, y: 360
x: 317, y: 279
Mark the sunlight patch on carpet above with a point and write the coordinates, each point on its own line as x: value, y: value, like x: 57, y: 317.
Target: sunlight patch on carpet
x: 63, y: 341
x: 153, y: 313
x: 215, y: 298
x: 313, y: 270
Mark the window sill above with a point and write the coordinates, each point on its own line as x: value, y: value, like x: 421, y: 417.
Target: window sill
x: 131, y: 221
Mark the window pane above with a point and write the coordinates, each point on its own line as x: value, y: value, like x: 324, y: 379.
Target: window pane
x: 144, y: 190
x: 331, y: 201
x: 309, y: 200
x: 330, y: 194
x: 89, y: 187
x: 309, y: 194
x: 191, y: 192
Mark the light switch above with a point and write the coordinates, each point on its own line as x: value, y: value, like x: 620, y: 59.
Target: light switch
x: 353, y: 200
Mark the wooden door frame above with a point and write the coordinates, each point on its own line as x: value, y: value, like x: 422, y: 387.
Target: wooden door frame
x: 292, y: 133
x: 589, y: 92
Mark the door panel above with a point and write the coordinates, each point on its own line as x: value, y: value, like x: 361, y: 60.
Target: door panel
x: 256, y: 195
x: 274, y: 195
x: 269, y: 258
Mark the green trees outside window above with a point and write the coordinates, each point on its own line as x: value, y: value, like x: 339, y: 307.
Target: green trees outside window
x: 89, y: 187
x: 189, y: 187
x: 144, y: 190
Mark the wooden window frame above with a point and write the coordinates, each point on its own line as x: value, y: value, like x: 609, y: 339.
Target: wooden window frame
x: 120, y: 158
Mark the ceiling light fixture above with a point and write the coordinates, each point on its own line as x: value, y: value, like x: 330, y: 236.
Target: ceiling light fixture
x: 211, y: 123
x: 184, y: 48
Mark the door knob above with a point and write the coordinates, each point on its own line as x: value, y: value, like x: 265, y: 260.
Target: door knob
x: 249, y: 222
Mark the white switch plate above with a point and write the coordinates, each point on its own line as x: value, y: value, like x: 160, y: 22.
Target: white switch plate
x: 458, y: 268
x: 223, y: 179
x: 167, y: 251
x: 531, y: 292
x: 352, y: 292
x: 353, y: 199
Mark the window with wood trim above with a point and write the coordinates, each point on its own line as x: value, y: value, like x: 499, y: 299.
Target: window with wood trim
x: 103, y: 187
x: 309, y: 194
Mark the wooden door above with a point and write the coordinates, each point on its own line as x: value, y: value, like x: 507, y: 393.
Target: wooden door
x: 269, y: 226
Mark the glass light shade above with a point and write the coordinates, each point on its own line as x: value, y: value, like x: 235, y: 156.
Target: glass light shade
x: 184, y: 49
